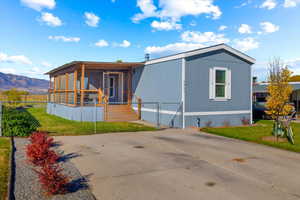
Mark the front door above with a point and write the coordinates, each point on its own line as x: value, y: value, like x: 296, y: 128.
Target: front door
x: 113, y: 86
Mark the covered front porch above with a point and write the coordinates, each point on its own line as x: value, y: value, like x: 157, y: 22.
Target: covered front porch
x: 86, y: 84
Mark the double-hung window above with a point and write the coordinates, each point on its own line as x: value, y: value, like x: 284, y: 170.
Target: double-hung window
x: 220, y: 83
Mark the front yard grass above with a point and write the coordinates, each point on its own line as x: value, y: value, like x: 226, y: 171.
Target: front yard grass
x: 256, y: 133
x: 4, y: 160
x: 58, y: 126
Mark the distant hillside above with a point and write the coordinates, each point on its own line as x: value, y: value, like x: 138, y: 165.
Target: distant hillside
x: 32, y: 85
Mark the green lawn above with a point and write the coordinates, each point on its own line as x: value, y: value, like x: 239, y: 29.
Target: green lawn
x: 4, y: 156
x: 255, y: 133
x: 59, y: 126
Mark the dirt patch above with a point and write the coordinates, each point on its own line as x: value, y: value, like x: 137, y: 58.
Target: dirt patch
x: 272, y: 138
x: 241, y: 160
x: 139, y: 147
x: 210, y: 184
x: 170, y: 139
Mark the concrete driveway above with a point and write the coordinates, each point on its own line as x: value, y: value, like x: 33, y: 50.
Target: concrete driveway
x: 176, y: 165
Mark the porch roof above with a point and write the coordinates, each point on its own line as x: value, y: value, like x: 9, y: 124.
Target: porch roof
x: 95, y: 65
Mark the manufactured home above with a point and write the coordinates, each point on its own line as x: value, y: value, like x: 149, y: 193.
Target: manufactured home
x: 210, y: 86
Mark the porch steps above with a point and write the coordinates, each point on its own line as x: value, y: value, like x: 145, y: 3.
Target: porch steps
x: 117, y: 113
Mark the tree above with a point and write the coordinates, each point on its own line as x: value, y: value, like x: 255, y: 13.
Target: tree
x: 277, y: 105
x: 14, y: 95
x: 119, y: 61
x: 279, y: 90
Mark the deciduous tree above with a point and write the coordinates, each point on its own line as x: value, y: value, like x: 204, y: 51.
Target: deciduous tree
x: 279, y: 90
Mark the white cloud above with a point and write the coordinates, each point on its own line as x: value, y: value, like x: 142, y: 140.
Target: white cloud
x: 269, y: 4
x: 46, y: 64
x: 148, y: 10
x: 246, y: 44
x: 64, y: 39
x: 39, y: 4
x: 175, y: 9
x: 222, y: 28
x: 165, y: 25
x: 246, y: 3
x: 34, y: 71
x: 268, y: 27
x: 8, y: 70
x: 291, y: 3
x: 172, y: 48
x: 91, y: 19
x: 50, y: 19
x: 294, y: 65
x: 101, y: 43
x: 245, y: 29
x: 125, y: 44
x: 21, y: 59
x: 207, y: 38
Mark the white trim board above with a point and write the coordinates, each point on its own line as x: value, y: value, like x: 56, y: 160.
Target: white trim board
x: 233, y: 112
x: 169, y: 112
x: 201, y: 51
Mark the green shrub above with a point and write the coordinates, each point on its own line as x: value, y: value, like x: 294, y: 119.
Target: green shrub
x: 18, y: 122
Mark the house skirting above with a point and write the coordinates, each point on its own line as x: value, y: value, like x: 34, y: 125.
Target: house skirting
x: 78, y: 113
x: 217, y: 120
x: 174, y: 117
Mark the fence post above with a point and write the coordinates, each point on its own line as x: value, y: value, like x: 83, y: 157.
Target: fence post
x: 158, y: 119
x: 0, y: 118
x: 139, y: 108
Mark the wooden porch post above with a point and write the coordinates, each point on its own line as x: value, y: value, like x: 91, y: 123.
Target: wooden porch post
x: 99, y: 96
x: 58, y: 85
x: 129, y: 84
x: 67, y: 88
x: 75, y: 87
x: 54, y: 90
x: 82, y: 84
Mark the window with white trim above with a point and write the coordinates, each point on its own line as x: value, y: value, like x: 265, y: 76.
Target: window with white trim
x: 220, y: 83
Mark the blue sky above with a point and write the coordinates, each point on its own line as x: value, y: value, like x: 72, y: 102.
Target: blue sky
x: 38, y: 35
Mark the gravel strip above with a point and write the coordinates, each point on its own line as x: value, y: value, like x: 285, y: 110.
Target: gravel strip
x: 27, y: 186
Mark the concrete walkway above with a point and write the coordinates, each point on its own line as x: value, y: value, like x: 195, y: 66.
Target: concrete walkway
x: 176, y: 165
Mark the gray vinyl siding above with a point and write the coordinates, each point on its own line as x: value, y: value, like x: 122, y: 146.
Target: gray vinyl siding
x: 159, y: 83
x: 197, y: 87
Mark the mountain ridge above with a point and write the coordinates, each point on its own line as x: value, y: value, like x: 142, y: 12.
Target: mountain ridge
x: 32, y: 85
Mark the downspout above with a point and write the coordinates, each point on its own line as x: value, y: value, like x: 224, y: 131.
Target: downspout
x: 183, y: 91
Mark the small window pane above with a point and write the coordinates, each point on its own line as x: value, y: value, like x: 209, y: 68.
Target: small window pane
x: 111, y: 92
x: 220, y: 76
x: 111, y: 83
x: 220, y: 90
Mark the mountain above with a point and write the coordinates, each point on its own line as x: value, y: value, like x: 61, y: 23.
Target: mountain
x: 32, y: 85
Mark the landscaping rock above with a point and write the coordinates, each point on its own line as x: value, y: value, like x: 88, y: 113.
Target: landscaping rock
x: 27, y: 185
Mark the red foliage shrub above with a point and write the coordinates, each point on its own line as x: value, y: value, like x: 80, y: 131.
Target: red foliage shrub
x: 41, y: 138
x: 52, y: 180
x: 40, y: 154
